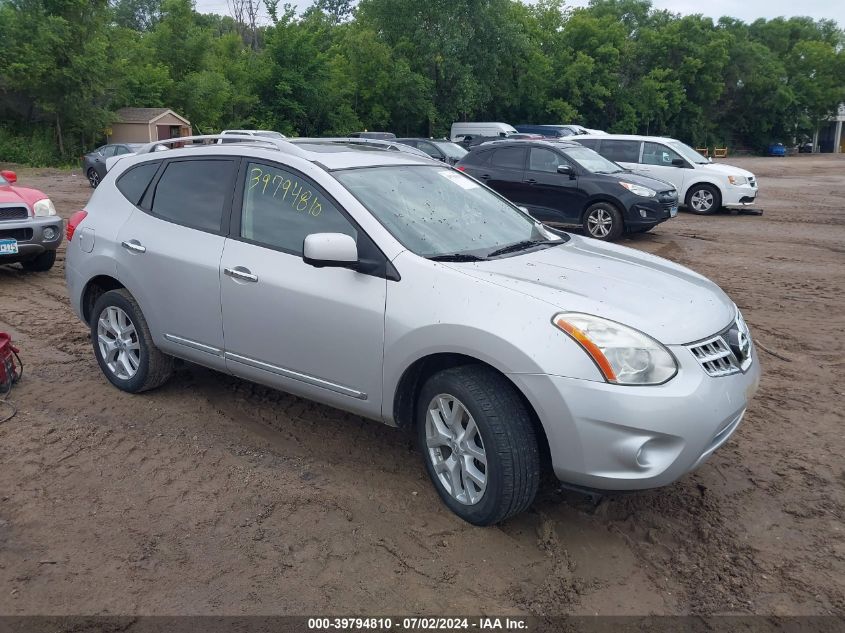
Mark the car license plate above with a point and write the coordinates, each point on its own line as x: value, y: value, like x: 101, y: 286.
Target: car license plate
x: 8, y: 247
x: 673, y: 211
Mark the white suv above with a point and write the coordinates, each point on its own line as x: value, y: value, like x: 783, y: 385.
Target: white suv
x: 704, y: 186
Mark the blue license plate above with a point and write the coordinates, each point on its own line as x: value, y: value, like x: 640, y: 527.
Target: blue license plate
x: 8, y: 247
x: 673, y: 211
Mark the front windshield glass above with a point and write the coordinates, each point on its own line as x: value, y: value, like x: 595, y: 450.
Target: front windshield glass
x: 689, y: 153
x: 3, y: 181
x: 435, y: 211
x: 270, y: 134
x: 452, y: 150
x: 592, y: 161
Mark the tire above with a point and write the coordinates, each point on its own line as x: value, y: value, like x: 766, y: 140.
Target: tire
x: 93, y: 178
x: 603, y: 221
x: 503, y: 434
x: 703, y: 199
x: 143, y: 366
x: 40, y: 264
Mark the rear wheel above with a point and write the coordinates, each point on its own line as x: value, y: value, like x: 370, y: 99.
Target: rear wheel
x: 703, y: 199
x: 93, y: 178
x: 478, y: 443
x: 123, y: 344
x: 603, y: 221
x: 40, y: 264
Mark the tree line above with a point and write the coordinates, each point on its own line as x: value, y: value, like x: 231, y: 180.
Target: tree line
x: 410, y: 67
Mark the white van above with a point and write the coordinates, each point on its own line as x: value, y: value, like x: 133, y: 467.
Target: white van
x: 460, y: 130
x: 704, y: 186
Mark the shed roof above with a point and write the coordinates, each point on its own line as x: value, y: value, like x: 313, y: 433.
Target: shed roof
x: 145, y: 115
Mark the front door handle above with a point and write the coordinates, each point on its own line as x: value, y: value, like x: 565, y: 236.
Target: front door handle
x: 530, y: 181
x: 134, y: 246
x: 240, y: 273
x: 485, y: 177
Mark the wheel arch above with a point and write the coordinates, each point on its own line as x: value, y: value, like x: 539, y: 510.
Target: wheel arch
x: 708, y: 180
x: 413, y: 378
x: 603, y: 197
x: 94, y: 289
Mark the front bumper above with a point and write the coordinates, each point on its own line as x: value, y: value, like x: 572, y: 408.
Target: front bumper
x: 741, y: 196
x: 613, y: 437
x: 31, y: 237
x: 649, y: 212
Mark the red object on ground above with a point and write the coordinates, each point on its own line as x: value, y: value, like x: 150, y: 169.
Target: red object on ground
x: 8, y: 371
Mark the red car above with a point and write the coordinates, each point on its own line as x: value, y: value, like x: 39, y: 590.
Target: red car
x: 30, y: 230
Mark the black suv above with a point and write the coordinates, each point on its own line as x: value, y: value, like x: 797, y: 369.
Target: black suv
x: 563, y: 182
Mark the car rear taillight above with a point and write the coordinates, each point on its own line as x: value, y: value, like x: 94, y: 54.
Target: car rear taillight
x: 74, y: 221
x: 460, y: 168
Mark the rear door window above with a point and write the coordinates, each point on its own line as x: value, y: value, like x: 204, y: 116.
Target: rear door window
x: 509, y: 158
x: 135, y: 181
x: 621, y: 151
x: 195, y: 193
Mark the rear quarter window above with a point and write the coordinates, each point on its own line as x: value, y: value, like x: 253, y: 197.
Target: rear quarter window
x: 134, y: 182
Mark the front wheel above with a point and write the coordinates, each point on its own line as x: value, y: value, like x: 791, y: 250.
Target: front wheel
x: 123, y: 344
x: 703, y: 199
x: 603, y: 221
x: 40, y: 264
x: 478, y: 443
x: 93, y: 178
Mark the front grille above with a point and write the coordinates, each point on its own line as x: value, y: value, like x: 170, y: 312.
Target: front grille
x: 21, y: 235
x: 13, y: 213
x: 726, y: 353
x: 715, y: 356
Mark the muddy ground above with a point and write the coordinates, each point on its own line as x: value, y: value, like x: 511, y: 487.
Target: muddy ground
x: 213, y: 495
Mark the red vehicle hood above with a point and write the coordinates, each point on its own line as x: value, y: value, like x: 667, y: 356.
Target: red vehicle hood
x: 11, y: 194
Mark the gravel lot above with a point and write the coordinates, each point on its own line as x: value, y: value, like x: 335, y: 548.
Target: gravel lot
x: 213, y: 495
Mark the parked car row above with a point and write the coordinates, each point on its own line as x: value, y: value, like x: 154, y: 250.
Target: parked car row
x: 390, y: 285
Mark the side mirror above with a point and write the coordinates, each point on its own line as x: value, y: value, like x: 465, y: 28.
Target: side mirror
x: 330, y: 250
x: 564, y: 169
x: 678, y: 162
x: 9, y: 176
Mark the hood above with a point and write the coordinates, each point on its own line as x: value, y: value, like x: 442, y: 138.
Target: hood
x: 670, y: 303
x: 11, y: 194
x: 725, y: 170
x: 645, y: 181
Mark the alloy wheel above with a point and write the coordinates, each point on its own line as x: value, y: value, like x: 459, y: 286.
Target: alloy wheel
x: 702, y: 200
x: 93, y: 178
x: 600, y: 223
x: 118, y: 341
x: 456, y: 450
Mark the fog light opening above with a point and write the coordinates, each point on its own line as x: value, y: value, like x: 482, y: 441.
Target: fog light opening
x: 50, y: 233
x: 643, y: 213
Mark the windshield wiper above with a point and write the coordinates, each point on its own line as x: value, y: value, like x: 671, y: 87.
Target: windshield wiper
x: 519, y: 246
x: 456, y: 257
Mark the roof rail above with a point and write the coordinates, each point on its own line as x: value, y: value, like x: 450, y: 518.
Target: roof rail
x: 282, y: 145
x: 387, y: 145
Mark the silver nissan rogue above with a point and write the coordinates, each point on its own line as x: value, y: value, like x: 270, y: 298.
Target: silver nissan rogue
x: 392, y: 286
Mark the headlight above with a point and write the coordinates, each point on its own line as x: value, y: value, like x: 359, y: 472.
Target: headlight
x: 44, y: 207
x: 623, y: 355
x: 638, y: 190
x: 737, y: 180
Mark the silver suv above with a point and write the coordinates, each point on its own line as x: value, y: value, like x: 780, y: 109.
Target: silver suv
x: 400, y: 289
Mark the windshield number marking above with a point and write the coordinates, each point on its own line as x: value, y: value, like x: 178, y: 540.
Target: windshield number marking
x: 301, y: 199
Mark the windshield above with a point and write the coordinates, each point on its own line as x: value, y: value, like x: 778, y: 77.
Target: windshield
x: 435, y: 211
x: 687, y: 152
x: 452, y: 150
x: 592, y: 161
x: 3, y: 181
x: 270, y: 134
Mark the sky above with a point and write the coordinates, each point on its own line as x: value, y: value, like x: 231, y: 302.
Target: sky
x: 748, y: 10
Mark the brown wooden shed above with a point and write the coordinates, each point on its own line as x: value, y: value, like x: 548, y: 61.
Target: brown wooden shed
x: 145, y: 125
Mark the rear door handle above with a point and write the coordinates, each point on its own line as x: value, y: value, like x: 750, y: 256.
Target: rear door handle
x: 134, y: 246
x: 485, y: 177
x: 530, y: 181
x: 240, y: 273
